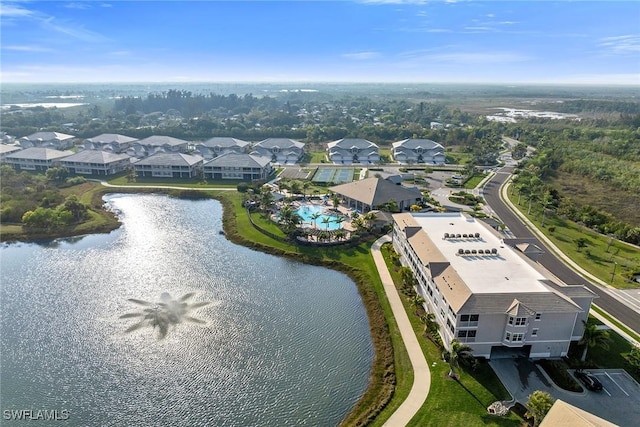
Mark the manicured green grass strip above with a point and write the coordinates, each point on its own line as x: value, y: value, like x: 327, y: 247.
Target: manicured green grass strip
x: 454, y: 403
x: 626, y: 330
x: 474, y: 181
x: 187, y: 183
x: 608, y: 263
x: 317, y: 157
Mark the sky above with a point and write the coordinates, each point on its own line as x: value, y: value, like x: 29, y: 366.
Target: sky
x: 445, y: 41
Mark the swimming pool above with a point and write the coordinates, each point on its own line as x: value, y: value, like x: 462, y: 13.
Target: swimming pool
x: 308, y: 212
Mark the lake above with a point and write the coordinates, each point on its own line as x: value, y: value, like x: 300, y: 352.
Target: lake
x: 278, y: 342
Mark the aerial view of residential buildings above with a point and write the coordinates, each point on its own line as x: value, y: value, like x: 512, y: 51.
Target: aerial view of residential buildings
x: 397, y: 213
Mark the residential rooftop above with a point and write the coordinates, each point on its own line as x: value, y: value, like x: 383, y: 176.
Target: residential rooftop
x: 501, y: 272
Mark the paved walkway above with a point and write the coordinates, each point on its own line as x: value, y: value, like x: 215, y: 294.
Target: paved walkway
x: 421, y: 374
x: 168, y: 187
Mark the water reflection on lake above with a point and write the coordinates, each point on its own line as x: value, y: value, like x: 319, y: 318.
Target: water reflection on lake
x: 282, y: 343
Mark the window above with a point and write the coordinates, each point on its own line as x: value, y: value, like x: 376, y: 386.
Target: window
x: 507, y: 337
x: 517, y: 337
x: 471, y: 334
x: 464, y: 317
x: 462, y: 334
x: 521, y: 321
x: 510, y: 320
x: 534, y: 333
x: 474, y: 317
x: 538, y: 316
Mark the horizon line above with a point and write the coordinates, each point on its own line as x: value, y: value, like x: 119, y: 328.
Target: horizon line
x: 516, y: 83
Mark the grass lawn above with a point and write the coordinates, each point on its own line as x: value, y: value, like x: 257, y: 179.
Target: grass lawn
x: 458, y: 158
x: 267, y: 224
x: 317, y: 157
x: 597, y: 357
x: 187, y: 183
x: 450, y: 402
x: 608, y: 263
x: 385, y: 153
x: 474, y: 181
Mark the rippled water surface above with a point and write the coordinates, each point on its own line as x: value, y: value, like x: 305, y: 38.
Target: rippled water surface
x: 283, y: 344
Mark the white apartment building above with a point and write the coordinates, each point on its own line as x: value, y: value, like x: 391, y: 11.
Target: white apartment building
x: 486, y: 294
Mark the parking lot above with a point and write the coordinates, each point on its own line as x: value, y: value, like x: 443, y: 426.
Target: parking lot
x: 618, y: 401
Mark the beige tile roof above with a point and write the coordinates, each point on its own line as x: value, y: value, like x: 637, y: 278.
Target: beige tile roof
x: 375, y: 191
x: 566, y: 415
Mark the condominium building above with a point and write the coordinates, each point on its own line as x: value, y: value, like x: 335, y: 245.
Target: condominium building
x: 485, y: 293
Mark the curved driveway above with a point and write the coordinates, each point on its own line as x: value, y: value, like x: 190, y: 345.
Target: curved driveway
x: 421, y: 375
x: 549, y: 260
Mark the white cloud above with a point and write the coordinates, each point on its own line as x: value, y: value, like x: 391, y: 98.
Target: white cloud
x: 467, y: 58
x: 51, y: 23
x: 479, y: 29
x: 11, y: 10
x: 361, y: 56
x: 621, y: 45
x: 120, y: 53
x: 74, y: 31
x: 394, y: 1
x: 76, y: 5
x: 26, y: 48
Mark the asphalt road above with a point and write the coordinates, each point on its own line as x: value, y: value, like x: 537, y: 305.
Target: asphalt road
x: 605, y: 301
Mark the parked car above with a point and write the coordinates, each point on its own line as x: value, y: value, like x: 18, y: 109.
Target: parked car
x: 589, y: 380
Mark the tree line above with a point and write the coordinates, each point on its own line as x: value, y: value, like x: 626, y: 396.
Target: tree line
x: 36, y: 202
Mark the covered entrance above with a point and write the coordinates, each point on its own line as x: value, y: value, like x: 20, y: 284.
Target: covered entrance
x: 502, y: 352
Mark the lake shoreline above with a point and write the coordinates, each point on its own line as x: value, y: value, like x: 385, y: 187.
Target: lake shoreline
x: 382, y: 378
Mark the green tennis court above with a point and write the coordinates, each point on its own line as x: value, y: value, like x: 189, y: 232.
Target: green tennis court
x: 333, y: 175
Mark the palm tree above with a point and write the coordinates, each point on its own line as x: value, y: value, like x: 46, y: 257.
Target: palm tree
x: 295, y: 187
x: 547, y: 204
x: 335, y: 199
x: 326, y: 220
x: 314, y: 217
x: 406, y: 274
x: 539, y: 403
x: 369, y: 217
x: 266, y: 199
x: 305, y: 186
x: 339, y: 220
x: 340, y: 235
x: 458, y: 353
x: 593, y: 337
x: 430, y: 323
x: 417, y: 302
x: 358, y: 223
x: 289, y: 219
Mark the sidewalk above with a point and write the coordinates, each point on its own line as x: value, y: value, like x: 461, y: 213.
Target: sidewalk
x: 421, y: 374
